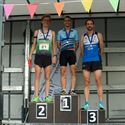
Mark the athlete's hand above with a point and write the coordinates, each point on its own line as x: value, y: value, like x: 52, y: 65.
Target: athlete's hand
x: 54, y: 60
x: 81, y: 54
x: 30, y: 62
x: 30, y: 57
x: 101, y: 52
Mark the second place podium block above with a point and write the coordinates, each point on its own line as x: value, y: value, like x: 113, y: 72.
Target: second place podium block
x: 40, y: 113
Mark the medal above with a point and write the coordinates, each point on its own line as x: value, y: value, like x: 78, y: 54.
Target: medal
x: 67, y: 36
x: 90, y: 47
x: 90, y: 40
x: 45, y: 36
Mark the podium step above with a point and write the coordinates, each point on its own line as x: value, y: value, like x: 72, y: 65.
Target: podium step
x: 40, y: 113
x: 66, y: 109
x: 92, y: 116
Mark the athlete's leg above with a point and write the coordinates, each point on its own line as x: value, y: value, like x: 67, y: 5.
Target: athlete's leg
x: 98, y: 79
x: 86, y: 76
x: 37, y: 80
x: 63, y: 70
x: 63, y: 77
x: 47, y: 71
x: 72, y: 62
x: 73, y: 76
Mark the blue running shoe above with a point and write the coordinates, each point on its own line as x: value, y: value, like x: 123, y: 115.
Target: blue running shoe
x: 101, y: 105
x: 85, y: 106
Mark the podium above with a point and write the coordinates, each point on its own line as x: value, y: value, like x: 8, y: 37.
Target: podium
x: 40, y: 113
x: 66, y: 109
x: 92, y: 116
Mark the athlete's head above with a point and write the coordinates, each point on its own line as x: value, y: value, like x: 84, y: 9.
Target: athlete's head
x: 67, y: 21
x: 89, y: 23
x: 46, y: 20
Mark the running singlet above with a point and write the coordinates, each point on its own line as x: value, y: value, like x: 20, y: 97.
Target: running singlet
x: 44, y: 42
x: 91, y: 48
x: 67, y: 39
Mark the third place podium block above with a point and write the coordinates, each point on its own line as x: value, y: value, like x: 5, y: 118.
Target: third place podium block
x: 66, y: 109
x: 92, y: 116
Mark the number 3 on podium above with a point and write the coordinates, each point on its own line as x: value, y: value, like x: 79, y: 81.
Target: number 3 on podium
x: 92, y: 116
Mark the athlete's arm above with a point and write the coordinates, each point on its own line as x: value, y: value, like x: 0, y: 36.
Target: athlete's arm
x: 54, y: 43
x: 76, y: 45
x: 33, y: 45
x: 76, y: 40
x: 101, y: 43
x: 58, y: 40
x: 58, y: 45
x: 81, y: 46
x: 54, y: 47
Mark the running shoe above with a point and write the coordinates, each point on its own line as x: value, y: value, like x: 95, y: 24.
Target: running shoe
x: 36, y: 99
x: 72, y: 92
x: 48, y: 99
x: 85, y: 106
x: 101, y: 105
x: 63, y: 92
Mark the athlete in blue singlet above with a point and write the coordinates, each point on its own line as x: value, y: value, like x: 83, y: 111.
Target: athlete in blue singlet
x: 68, y: 42
x: 91, y: 47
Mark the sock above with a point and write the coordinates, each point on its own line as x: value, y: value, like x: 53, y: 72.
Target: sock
x: 100, y: 101
x: 86, y: 101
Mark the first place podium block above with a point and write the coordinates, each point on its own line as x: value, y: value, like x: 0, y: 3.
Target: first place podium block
x: 40, y: 113
x: 66, y: 109
x: 92, y: 116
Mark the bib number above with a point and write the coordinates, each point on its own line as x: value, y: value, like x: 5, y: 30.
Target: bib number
x: 44, y: 46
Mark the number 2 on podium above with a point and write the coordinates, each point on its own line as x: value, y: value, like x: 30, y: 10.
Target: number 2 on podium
x: 41, y: 110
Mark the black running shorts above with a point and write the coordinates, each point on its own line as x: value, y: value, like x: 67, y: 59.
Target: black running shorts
x: 67, y: 56
x: 43, y: 60
x: 92, y: 66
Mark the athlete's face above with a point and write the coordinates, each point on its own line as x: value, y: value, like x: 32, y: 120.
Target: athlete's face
x: 67, y: 22
x: 46, y: 21
x: 89, y: 25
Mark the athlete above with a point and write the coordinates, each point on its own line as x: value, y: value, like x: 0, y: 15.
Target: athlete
x: 91, y: 47
x: 68, y: 42
x: 44, y: 44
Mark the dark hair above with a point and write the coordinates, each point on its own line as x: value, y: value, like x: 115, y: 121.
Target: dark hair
x: 67, y: 17
x: 44, y: 16
x: 89, y: 19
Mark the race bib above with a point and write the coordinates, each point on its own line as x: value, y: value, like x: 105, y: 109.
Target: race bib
x: 43, y: 46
